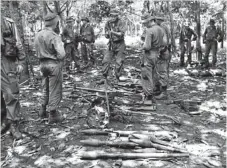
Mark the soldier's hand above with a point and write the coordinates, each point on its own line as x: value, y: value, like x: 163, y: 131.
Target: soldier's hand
x: 204, y: 41
x: 19, y: 69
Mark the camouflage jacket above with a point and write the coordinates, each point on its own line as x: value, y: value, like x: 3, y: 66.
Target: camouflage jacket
x: 154, y: 38
x: 68, y: 34
x: 213, y: 33
x: 186, y: 34
x: 117, y: 26
x: 9, y: 29
x: 87, y: 33
x: 48, y: 44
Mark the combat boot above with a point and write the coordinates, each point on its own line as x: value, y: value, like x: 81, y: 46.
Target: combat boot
x: 151, y: 99
x: 43, y: 112
x: 163, y: 95
x: 15, y: 131
x: 55, y: 117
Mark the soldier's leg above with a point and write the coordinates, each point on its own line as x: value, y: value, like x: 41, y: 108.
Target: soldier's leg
x: 68, y: 57
x: 10, y: 68
x: 120, y: 57
x: 148, y: 73
x: 189, y: 51
x: 55, y: 88
x: 207, y: 52
x: 106, y: 62
x: 84, y: 53
x: 45, y: 87
x: 214, y: 48
x: 91, y: 53
x: 75, y: 56
x: 12, y: 104
x: 183, y: 49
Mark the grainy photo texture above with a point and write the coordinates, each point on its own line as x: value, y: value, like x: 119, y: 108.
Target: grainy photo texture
x: 113, y: 84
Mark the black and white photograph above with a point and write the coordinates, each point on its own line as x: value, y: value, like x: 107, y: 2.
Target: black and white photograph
x: 113, y: 84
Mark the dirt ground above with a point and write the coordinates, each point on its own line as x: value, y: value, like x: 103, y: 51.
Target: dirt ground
x: 202, y: 132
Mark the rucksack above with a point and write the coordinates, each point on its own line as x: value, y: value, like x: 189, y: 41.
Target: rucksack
x: 10, y: 48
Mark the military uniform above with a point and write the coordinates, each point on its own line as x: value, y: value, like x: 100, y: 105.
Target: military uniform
x: 10, y: 63
x: 51, y: 53
x: 87, y: 41
x: 163, y: 60
x: 114, y: 31
x: 153, y: 43
x: 185, y: 43
x: 211, y: 35
x: 69, y: 39
x: 10, y: 105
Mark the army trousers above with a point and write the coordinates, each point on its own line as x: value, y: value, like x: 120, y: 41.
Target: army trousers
x: 72, y: 54
x: 10, y: 105
x: 163, y: 68
x: 87, y: 52
x: 186, y: 47
x: 51, y: 83
x: 149, y: 76
x: 211, y: 45
x: 10, y: 65
x: 116, y: 54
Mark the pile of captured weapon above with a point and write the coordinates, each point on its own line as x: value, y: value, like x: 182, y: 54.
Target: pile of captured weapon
x: 152, y: 145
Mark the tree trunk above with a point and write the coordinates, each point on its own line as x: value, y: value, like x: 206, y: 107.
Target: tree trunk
x: 171, y: 28
x: 198, y: 31
x: 17, y: 17
x: 60, y: 13
x: 44, y: 8
x: 223, y: 29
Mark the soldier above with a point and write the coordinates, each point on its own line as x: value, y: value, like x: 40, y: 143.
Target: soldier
x: 51, y: 53
x: 87, y: 41
x: 11, y: 51
x: 153, y: 43
x: 68, y: 37
x: 12, y: 54
x: 163, y: 60
x: 115, y: 31
x: 185, y: 42
x: 211, y: 35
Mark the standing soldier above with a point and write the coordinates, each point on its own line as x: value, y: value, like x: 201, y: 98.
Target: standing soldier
x: 87, y: 41
x: 153, y: 43
x: 51, y: 53
x: 211, y: 35
x: 11, y: 51
x: 163, y: 60
x: 185, y: 42
x: 68, y: 37
x: 115, y: 31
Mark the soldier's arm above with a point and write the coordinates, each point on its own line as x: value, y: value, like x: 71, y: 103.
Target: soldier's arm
x: 194, y: 34
x: 220, y: 34
x: 147, y: 43
x: 21, y: 53
x: 107, y: 30
x: 58, y: 46
x: 93, y: 34
x: 204, y: 34
x: 121, y: 29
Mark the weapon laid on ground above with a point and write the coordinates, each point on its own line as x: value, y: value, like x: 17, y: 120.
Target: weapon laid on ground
x: 148, y: 144
x: 104, y: 155
x: 121, y: 133
x: 120, y: 144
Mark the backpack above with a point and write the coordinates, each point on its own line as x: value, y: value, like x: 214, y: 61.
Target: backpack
x: 10, y: 48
